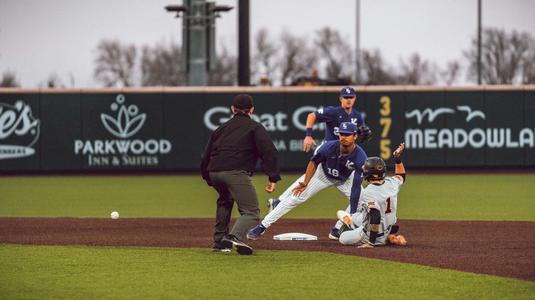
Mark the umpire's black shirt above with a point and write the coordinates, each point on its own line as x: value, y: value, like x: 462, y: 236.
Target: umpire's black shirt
x: 236, y: 145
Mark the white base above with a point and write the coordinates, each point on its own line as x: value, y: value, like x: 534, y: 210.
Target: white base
x: 295, y: 236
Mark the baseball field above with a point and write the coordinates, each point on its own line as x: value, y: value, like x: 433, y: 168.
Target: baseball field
x: 469, y: 236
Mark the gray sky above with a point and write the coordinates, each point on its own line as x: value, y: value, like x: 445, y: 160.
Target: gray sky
x: 38, y: 38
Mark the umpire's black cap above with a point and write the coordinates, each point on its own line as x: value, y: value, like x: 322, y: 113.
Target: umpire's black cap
x: 243, y: 101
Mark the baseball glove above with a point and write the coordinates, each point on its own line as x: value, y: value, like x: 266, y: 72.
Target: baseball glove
x: 364, y: 133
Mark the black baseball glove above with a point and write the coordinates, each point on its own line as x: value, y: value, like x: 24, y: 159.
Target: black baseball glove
x: 364, y: 134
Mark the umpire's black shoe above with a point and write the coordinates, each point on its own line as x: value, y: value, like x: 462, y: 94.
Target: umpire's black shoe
x: 217, y: 247
x: 241, y: 247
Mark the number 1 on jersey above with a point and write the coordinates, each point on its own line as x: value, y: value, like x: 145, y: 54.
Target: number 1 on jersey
x: 388, y: 209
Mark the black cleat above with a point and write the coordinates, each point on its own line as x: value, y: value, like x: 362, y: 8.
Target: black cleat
x: 241, y: 247
x: 343, y: 229
x: 334, y: 234
x: 217, y: 247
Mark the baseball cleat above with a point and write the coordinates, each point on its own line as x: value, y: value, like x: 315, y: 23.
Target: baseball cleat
x: 256, y: 232
x: 222, y: 250
x: 344, y: 216
x: 334, y: 234
x: 272, y: 203
x: 397, y: 240
x: 241, y: 247
x: 217, y: 247
x: 244, y: 249
x: 344, y: 228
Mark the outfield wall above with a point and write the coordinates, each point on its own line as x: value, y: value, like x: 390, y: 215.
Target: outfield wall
x: 165, y: 129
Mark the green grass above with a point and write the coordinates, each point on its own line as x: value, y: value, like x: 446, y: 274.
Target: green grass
x: 71, y: 272
x: 469, y: 197
x: 427, y: 197
x: 76, y: 272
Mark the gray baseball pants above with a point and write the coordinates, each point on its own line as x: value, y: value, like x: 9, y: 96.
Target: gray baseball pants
x: 235, y: 186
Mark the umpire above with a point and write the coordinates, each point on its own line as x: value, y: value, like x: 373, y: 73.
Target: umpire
x: 228, y: 162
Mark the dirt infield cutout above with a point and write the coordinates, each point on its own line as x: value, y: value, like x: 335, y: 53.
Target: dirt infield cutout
x: 497, y: 248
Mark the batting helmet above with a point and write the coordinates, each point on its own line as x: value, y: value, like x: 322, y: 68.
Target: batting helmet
x: 374, y: 168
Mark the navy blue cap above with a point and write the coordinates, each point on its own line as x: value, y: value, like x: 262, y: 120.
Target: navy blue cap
x: 243, y: 101
x: 347, y: 128
x: 347, y: 92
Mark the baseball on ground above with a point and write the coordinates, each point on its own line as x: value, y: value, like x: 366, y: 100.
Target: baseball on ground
x: 114, y: 215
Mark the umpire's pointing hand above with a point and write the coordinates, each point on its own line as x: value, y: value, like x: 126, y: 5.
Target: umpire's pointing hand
x: 270, y: 188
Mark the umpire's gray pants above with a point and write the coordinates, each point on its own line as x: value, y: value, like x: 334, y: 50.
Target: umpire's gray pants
x: 235, y: 186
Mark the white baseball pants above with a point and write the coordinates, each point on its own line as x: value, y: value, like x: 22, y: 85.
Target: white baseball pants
x: 318, y: 182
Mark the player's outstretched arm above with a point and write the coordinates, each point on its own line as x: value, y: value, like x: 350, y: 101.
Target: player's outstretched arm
x: 311, y: 169
x: 309, y: 140
x: 397, y: 153
x: 400, y: 168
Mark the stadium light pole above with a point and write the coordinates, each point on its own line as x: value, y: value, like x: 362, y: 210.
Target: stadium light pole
x: 198, y: 38
x: 357, y: 42
x: 479, y: 42
x: 243, y: 44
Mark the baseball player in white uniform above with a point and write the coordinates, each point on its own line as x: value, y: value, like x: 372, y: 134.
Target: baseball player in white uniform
x: 337, y: 163
x: 374, y: 222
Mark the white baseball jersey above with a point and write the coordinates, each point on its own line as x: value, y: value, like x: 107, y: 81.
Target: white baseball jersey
x: 383, y: 197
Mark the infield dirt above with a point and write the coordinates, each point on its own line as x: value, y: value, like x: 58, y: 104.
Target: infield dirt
x: 497, y: 248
